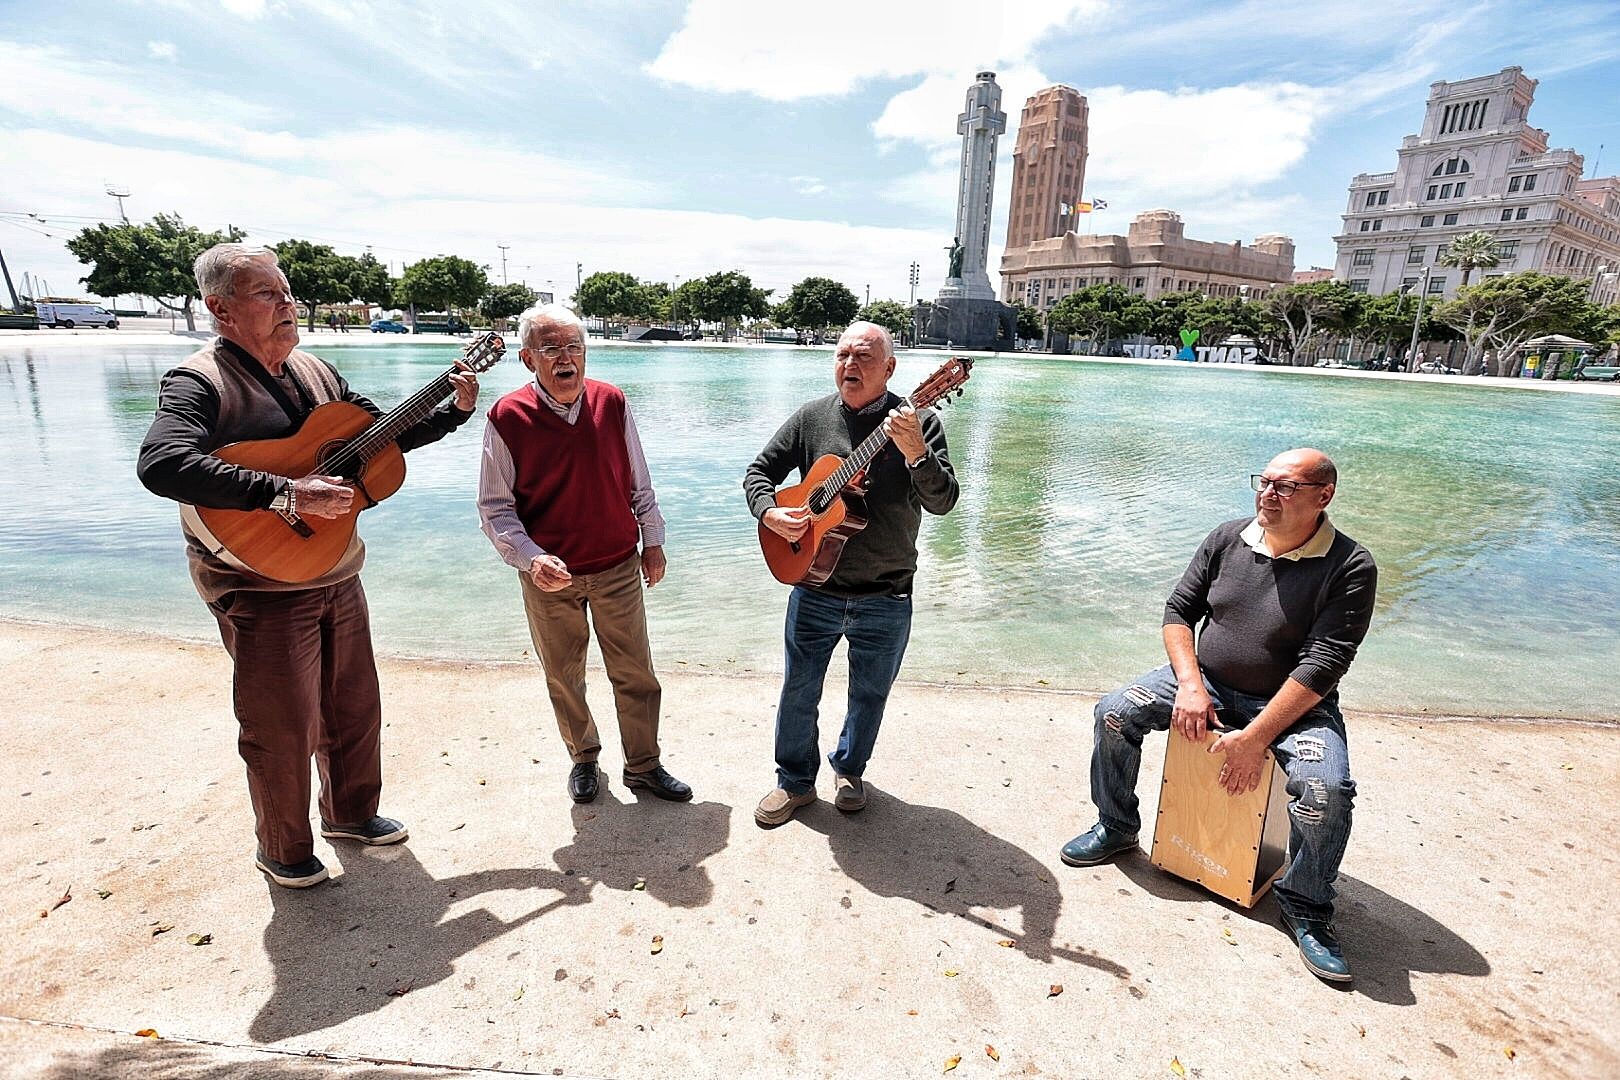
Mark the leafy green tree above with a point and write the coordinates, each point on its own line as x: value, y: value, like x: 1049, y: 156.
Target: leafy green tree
x: 442, y: 283
x: 1305, y: 310
x: 817, y: 303
x: 1505, y: 312
x: 369, y: 280
x: 725, y: 297
x: 892, y: 315
x: 610, y: 294
x: 653, y: 302
x: 506, y: 301
x: 1471, y: 251
x: 1171, y: 314
x: 1031, y: 323
x: 315, y: 273
x: 152, y: 260
x: 1101, y: 313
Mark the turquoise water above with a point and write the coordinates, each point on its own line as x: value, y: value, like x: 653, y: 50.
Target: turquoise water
x: 1493, y: 514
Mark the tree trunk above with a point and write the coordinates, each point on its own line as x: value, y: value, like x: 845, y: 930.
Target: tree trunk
x: 191, y: 321
x: 1466, y: 271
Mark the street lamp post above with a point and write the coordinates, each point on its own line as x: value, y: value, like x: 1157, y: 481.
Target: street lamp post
x: 120, y: 193
x: 504, y: 248
x: 1411, y: 352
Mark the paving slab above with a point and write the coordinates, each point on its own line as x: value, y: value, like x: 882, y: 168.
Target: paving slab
x: 517, y: 931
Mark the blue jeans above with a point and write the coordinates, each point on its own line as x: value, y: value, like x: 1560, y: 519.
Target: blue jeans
x: 1313, y: 752
x: 877, y: 628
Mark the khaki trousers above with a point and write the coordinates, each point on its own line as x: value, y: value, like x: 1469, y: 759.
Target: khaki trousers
x: 305, y: 684
x: 557, y: 625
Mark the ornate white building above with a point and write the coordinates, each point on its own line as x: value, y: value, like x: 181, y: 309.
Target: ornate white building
x: 1478, y: 165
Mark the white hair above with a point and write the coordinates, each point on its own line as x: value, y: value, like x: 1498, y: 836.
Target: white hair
x: 215, y: 269
x: 862, y: 326
x: 541, y: 315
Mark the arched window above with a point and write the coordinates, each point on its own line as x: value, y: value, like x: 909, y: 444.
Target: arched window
x: 1451, y: 167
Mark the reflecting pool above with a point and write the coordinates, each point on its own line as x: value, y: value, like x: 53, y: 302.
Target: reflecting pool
x: 1494, y: 515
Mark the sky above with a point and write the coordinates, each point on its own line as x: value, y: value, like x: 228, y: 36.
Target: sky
x: 672, y: 140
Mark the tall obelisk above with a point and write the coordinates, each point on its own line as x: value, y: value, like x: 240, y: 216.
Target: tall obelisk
x: 979, y: 125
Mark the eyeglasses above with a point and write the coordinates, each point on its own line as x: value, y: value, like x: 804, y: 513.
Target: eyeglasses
x: 1284, y: 488
x: 575, y: 349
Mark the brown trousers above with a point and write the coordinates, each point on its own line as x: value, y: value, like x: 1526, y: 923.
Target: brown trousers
x: 558, y: 627
x: 305, y: 684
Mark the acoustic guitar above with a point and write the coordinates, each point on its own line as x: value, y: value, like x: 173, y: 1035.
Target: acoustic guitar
x: 338, y: 439
x: 833, y: 491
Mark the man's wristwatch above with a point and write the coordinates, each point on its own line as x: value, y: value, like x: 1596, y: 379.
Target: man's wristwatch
x: 918, y: 462
x: 286, y: 500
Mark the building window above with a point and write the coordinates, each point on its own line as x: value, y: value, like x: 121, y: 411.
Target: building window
x: 1366, y: 226
x: 1449, y: 219
x: 1445, y: 191
x: 1358, y: 285
x: 1372, y: 198
x: 1513, y: 184
x: 1507, y: 215
x: 1414, y: 256
x: 1507, y: 250
x: 1164, y: 283
x: 1530, y: 182
x: 1437, y: 285
x: 1425, y: 221
x: 1378, y: 226
x: 1383, y: 197
x: 1408, y: 284
x: 1459, y: 192
x: 1434, y: 190
x: 1521, y: 213
x: 1363, y: 257
x: 1141, y: 283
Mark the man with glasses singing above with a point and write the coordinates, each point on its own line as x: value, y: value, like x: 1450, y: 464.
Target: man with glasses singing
x: 565, y: 496
x: 1280, y: 603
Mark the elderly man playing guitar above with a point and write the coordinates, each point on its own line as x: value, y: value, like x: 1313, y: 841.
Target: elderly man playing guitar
x: 866, y: 596
x: 305, y: 681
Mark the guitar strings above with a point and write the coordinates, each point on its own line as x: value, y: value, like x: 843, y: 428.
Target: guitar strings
x: 380, y: 433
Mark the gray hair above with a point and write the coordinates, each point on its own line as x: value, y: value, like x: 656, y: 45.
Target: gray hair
x: 215, y: 269
x: 862, y: 326
x: 541, y: 315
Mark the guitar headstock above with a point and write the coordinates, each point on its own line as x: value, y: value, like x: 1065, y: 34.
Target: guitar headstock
x: 937, y: 388
x: 484, y: 351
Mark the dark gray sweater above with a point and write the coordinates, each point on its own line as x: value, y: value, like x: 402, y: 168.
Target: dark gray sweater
x: 881, y: 558
x: 1264, y: 619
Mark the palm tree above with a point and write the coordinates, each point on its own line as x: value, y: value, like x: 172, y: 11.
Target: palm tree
x: 1471, y: 251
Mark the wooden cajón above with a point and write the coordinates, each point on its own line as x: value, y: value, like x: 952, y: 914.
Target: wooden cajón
x: 1233, y: 845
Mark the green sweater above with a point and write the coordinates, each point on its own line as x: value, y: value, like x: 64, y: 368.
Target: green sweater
x: 881, y: 558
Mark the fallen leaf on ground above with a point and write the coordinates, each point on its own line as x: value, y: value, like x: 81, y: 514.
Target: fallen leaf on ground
x: 1510, y: 1052
x: 612, y: 1014
x: 991, y: 1052
x: 1007, y: 943
x: 952, y: 1062
x: 1054, y: 990
x: 104, y: 893
x: 1043, y: 682
x: 1177, y: 1067
x: 401, y: 990
x: 1567, y: 766
x: 481, y: 781
x: 951, y: 973
x: 518, y: 996
x: 640, y: 885
x: 67, y: 896
x: 911, y: 1012
x: 199, y: 939
x: 456, y: 828
x: 162, y: 928
x: 657, y: 944
x: 146, y: 1033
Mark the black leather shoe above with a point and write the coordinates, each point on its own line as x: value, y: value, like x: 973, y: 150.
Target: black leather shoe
x: 1097, y: 845
x: 583, y: 782
x: 660, y: 783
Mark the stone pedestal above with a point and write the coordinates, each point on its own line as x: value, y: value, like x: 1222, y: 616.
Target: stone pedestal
x: 966, y: 322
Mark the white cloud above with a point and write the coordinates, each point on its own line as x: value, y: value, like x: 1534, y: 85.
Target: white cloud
x: 808, y: 185
x: 781, y: 53
x: 246, y: 9
x: 161, y: 50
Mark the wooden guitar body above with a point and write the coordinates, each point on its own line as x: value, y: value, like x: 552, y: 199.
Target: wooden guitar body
x: 267, y: 543
x: 810, y: 559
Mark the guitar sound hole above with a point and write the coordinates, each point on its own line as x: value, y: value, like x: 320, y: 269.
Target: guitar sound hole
x: 328, y: 454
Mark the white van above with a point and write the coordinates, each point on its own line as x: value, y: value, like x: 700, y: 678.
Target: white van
x: 52, y: 313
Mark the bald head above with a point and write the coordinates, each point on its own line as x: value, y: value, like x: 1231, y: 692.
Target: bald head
x: 872, y: 332
x: 862, y: 364
x: 1307, y: 464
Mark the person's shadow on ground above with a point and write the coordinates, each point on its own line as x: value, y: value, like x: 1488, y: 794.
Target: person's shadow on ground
x: 941, y: 860
x: 1384, y: 939
x: 379, y: 931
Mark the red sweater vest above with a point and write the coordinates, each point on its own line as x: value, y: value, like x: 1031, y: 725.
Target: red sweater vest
x: 572, y: 481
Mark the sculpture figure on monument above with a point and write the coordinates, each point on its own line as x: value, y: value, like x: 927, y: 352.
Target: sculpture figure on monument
x: 955, y: 260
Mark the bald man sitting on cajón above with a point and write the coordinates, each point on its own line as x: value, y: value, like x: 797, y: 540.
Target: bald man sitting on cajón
x: 1281, y: 601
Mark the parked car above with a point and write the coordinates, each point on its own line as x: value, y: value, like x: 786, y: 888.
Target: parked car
x: 387, y: 326
x: 1435, y: 367
x: 70, y: 315
x: 1607, y: 372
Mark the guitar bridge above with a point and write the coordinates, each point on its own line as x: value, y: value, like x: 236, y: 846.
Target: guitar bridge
x: 296, y: 524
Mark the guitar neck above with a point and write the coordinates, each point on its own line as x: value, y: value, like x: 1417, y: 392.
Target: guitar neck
x: 401, y: 419
x: 860, y: 457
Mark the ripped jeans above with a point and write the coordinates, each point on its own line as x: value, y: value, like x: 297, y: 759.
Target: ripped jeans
x: 1313, y: 753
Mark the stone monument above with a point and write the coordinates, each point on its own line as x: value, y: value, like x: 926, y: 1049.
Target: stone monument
x: 966, y: 314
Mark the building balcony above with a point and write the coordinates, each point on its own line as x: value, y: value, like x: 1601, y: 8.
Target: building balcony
x: 1372, y: 179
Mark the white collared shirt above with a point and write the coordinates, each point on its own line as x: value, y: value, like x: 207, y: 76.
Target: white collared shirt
x: 1314, y: 548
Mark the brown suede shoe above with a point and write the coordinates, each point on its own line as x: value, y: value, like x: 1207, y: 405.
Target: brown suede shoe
x: 777, y: 807
x: 850, y: 794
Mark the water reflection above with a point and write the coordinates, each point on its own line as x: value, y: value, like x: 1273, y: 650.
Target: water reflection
x: 1085, y: 490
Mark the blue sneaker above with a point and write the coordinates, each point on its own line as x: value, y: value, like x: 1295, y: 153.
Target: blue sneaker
x: 1097, y: 845
x: 1318, y: 947
x: 292, y: 875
